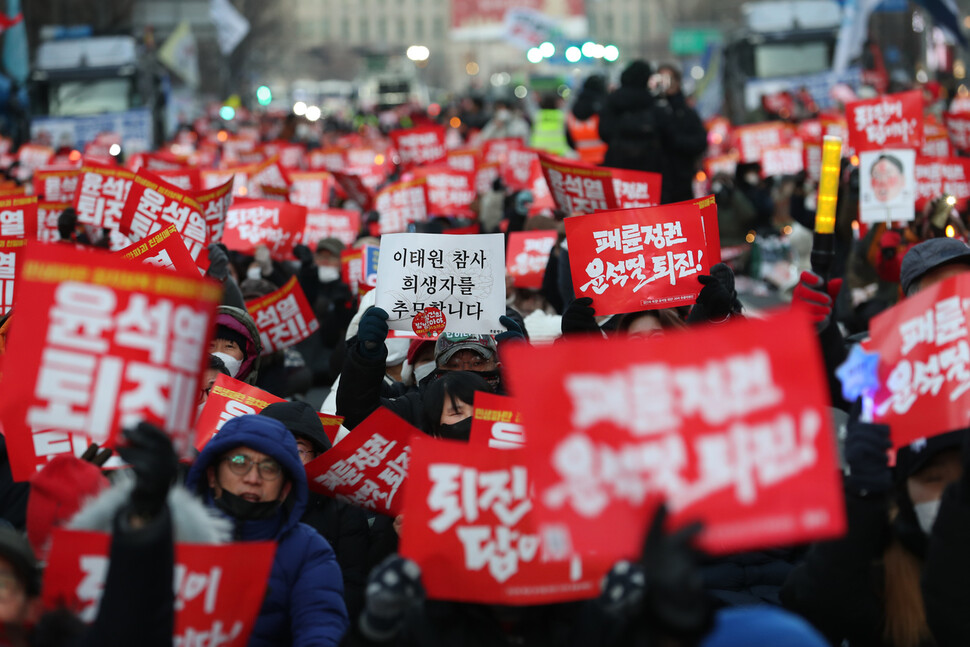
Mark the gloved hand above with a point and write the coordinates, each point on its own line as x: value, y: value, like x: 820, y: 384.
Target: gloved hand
x: 622, y: 589
x: 303, y: 254
x: 264, y: 260
x: 809, y: 294
x: 865, y: 450
x: 513, y: 331
x: 579, y: 317
x: 675, y: 598
x: 394, y: 586
x: 371, y: 332
x: 96, y: 455
x: 149, y: 452
x: 218, y: 262
x: 718, y: 298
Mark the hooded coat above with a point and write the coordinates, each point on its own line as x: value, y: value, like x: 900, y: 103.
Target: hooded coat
x: 304, y: 602
x: 239, y: 320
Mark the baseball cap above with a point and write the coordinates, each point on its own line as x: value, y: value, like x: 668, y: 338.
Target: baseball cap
x: 929, y: 255
x: 332, y: 245
x: 450, y: 343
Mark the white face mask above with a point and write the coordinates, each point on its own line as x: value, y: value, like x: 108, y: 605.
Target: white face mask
x: 423, y: 371
x: 232, y: 364
x: 326, y: 273
x: 926, y: 514
x: 752, y: 178
x: 254, y: 273
x: 502, y: 115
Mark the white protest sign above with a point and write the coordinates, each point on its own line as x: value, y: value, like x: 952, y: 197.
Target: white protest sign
x: 887, y: 185
x: 462, y: 276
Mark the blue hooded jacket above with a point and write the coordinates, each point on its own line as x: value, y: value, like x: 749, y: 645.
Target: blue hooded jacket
x: 304, y: 603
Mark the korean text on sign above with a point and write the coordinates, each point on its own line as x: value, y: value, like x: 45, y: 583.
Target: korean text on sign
x: 368, y: 467
x: 636, y: 259
x: 528, y: 255
x: 739, y: 438
x: 228, y: 398
x: 100, y: 195
x: 577, y: 188
x: 165, y: 249
x: 11, y: 253
x: 924, y: 362
x: 110, y: 343
x: 154, y: 204
x: 417, y: 146
x: 218, y: 588
x: 400, y: 205
x: 278, y: 225
x: 890, y: 121
x: 284, y: 317
x: 496, y: 422
x: 463, y: 276
x: 471, y: 527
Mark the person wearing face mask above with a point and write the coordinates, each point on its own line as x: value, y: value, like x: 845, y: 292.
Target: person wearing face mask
x: 251, y: 474
x: 237, y: 344
x: 865, y: 587
x: 344, y: 526
x: 449, y: 402
x: 331, y: 300
x: 360, y: 391
x: 505, y: 123
x: 419, y: 363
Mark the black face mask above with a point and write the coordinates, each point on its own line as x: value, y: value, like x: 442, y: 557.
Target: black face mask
x: 460, y: 430
x: 240, y: 508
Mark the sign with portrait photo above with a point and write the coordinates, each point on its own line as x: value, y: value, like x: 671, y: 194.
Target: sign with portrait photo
x: 887, y: 185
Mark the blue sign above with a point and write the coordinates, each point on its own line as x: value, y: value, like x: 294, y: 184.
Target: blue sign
x: 134, y: 126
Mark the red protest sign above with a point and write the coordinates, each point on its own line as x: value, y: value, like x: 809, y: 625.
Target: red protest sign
x: 465, y: 159
x: 266, y: 174
x: 401, y: 204
x: 471, y: 527
x: 278, y: 225
x: 418, y: 146
x: 496, y: 422
x: 11, y: 260
x: 290, y: 155
x: 356, y: 188
x: 165, y: 249
x: 738, y: 437
x: 520, y: 168
x: 924, y: 362
x: 637, y: 259
x: 219, y: 589
x: 331, y: 425
x: 958, y: 128
x: 576, y: 187
x: 368, y: 467
x: 497, y: 150
x: 229, y: 398
x: 449, y: 192
x: 107, y: 344
x: 33, y: 156
x: 311, y: 189
x: 56, y: 184
x: 936, y: 140
x: 187, y: 179
x: 153, y: 204
x: 214, y: 204
x: 635, y: 188
x: 18, y: 217
x: 329, y: 159
x: 47, y: 215
x: 753, y: 139
x: 937, y: 176
x: 284, y: 317
x: 889, y: 121
x: 527, y: 256
x: 781, y: 160
x: 100, y: 195
x: 342, y: 224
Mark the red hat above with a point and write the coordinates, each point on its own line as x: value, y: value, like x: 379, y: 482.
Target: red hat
x: 415, y: 348
x: 57, y: 492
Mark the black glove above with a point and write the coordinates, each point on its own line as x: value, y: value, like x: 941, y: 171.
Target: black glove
x: 371, y: 332
x: 513, y: 331
x: 718, y: 298
x: 865, y: 450
x: 394, y: 586
x: 218, y: 262
x: 95, y: 455
x: 579, y: 317
x: 622, y: 589
x: 303, y: 254
x: 149, y: 452
x: 675, y: 599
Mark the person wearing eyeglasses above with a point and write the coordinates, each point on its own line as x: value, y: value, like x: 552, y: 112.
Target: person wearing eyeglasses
x: 251, y: 473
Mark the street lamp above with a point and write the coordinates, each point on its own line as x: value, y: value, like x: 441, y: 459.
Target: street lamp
x: 418, y: 53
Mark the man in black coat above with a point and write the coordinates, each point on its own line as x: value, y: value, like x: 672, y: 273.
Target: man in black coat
x: 683, y: 134
x: 630, y: 123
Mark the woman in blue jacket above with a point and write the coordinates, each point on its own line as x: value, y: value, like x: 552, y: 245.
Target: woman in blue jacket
x: 251, y: 472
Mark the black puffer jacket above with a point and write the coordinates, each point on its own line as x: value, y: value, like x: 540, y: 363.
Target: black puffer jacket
x: 631, y: 124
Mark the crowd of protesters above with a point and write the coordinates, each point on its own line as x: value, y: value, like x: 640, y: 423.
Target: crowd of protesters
x: 897, y: 577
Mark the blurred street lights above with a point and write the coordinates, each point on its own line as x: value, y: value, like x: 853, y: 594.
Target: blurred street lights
x: 418, y: 53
